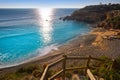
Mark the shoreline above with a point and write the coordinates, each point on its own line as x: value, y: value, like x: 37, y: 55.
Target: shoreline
x: 52, y: 53
x: 48, y: 53
x: 82, y: 45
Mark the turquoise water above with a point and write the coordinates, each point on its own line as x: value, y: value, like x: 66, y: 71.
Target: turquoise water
x: 27, y: 33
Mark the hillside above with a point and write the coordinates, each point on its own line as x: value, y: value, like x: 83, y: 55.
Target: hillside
x: 112, y: 20
x: 93, y: 14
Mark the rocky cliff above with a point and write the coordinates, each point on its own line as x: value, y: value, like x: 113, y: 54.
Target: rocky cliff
x: 112, y: 20
x: 92, y: 14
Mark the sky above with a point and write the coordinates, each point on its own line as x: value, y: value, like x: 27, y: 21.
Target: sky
x: 51, y: 3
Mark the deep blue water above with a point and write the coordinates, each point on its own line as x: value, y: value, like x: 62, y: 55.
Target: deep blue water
x: 27, y: 33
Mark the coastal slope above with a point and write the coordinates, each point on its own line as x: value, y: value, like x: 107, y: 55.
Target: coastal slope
x: 93, y: 14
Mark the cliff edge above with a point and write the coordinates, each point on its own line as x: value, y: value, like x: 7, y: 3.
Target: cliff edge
x: 94, y: 13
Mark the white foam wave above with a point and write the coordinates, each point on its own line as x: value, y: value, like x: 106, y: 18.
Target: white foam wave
x: 40, y: 52
x: 47, y: 49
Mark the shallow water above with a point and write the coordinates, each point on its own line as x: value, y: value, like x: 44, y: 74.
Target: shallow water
x: 27, y: 33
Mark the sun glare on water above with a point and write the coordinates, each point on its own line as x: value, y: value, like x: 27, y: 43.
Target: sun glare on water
x: 45, y: 15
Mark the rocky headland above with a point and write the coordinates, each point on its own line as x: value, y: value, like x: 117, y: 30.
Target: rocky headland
x: 103, y: 15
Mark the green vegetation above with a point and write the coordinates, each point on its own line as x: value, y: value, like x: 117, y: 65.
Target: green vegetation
x: 115, y: 22
x: 25, y: 73
x: 108, y: 70
x: 112, y: 21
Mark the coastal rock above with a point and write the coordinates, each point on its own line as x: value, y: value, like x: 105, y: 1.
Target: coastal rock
x: 92, y: 14
x: 112, y: 21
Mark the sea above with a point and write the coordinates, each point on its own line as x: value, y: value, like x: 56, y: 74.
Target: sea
x: 29, y: 33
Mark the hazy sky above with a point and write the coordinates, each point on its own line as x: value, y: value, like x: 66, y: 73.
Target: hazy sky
x: 51, y: 3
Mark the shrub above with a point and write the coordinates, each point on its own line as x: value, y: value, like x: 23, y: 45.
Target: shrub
x: 37, y: 73
x: 28, y: 69
x: 107, y: 70
x: 24, y: 73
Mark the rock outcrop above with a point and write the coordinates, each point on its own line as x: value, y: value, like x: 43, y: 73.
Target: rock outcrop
x: 112, y: 21
x: 92, y: 14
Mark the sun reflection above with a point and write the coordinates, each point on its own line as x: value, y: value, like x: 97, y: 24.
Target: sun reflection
x: 45, y: 15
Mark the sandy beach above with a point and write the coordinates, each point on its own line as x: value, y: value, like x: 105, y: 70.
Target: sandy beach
x: 93, y: 44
